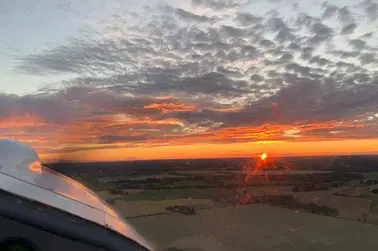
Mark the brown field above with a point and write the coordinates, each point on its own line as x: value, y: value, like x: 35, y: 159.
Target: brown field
x: 350, y: 208
x: 256, y: 227
x: 222, y: 227
x: 145, y: 207
x: 355, y: 192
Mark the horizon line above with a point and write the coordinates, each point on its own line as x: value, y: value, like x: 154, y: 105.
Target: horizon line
x: 209, y: 158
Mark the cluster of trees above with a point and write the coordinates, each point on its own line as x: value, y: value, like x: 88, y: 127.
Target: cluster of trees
x: 374, y: 190
x: 308, y: 188
x: 317, y: 209
x: 181, y: 209
x: 289, y: 201
x: 118, y: 191
x: 368, y: 182
x: 363, y: 218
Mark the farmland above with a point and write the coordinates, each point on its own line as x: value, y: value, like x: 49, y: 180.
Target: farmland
x: 256, y: 227
x: 310, y: 204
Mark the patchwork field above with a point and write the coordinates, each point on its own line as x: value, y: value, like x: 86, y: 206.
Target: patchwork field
x: 350, y: 208
x: 256, y: 227
x: 204, y: 208
x: 131, y: 209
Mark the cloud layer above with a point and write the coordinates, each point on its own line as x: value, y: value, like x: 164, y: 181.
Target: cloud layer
x: 206, y: 71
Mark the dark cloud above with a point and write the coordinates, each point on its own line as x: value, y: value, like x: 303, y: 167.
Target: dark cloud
x: 83, y: 58
x: 294, y: 46
x: 368, y: 35
x: 345, y: 15
x: 346, y: 54
x: 321, y: 33
x: 286, y: 57
x: 273, y: 73
x: 303, y: 70
x: 357, y: 44
x: 46, y: 108
x: 330, y: 11
x: 219, y: 4
x: 306, y: 21
x: 188, y: 16
x: 229, y: 73
x: 371, y: 9
x: 307, y: 52
x: 199, y: 118
x: 278, y: 25
x: 310, y: 101
x: 257, y: 78
x: 348, y: 29
x: 249, y: 51
x: 342, y: 64
x: 232, y: 31
x: 274, y: 83
x: 368, y: 58
x: 213, y: 83
x: 303, y: 100
x: 319, y: 61
x: 266, y: 43
x: 247, y: 19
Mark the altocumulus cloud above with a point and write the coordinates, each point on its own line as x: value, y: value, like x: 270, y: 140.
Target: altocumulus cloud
x: 190, y: 72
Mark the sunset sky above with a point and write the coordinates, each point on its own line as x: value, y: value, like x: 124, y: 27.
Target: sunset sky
x: 148, y: 79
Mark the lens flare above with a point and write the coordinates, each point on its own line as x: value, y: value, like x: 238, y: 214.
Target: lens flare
x: 263, y: 156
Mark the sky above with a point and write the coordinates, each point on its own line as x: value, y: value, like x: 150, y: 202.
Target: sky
x: 120, y: 80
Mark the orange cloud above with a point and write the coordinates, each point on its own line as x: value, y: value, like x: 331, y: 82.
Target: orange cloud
x: 224, y: 150
x: 114, y: 136
x: 22, y: 121
x: 170, y: 107
x: 228, y: 109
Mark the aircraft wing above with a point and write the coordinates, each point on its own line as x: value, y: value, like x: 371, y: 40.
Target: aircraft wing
x: 37, y: 203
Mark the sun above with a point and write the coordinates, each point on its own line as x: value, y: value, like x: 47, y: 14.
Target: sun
x: 263, y: 156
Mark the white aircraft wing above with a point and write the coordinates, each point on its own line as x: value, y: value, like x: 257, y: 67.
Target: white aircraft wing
x: 25, y: 181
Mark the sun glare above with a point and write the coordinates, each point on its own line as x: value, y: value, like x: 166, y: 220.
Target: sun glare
x: 35, y: 167
x: 263, y: 156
